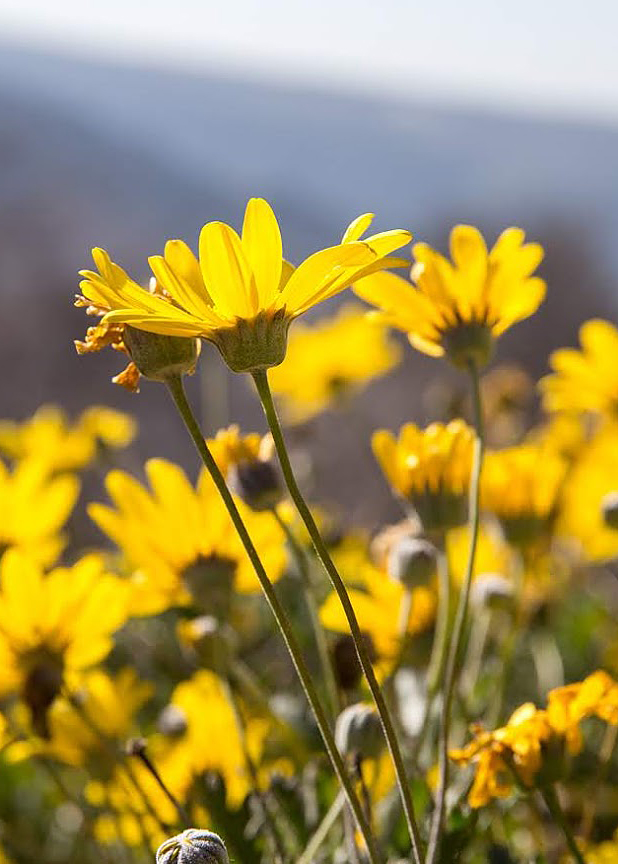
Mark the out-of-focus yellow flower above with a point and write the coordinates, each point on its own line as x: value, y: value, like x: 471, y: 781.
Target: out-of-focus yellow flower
x: 230, y: 448
x: 242, y: 295
x: 520, y: 485
x: 377, y: 602
x: 506, y: 395
x: 179, y: 541
x: 517, y: 745
x: 53, y: 626
x: 460, y: 308
x: 430, y: 469
x: 586, y: 379
x: 330, y: 360
x: 563, y: 431
x: 602, y: 853
x: 493, y: 555
x: 50, y: 438
x: 34, y: 509
x: 591, y: 480
x: 595, y: 696
x: 89, y: 734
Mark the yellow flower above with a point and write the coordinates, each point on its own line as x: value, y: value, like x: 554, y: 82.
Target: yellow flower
x: 518, y: 745
x: 242, y: 294
x: 87, y: 735
x: 591, y: 484
x: 493, y: 555
x: 520, y: 485
x: 331, y: 360
x: 603, y: 853
x: 377, y: 602
x: 596, y: 696
x: 48, y: 436
x: 460, y: 308
x: 53, y: 626
x: 586, y: 379
x: 34, y: 508
x: 179, y: 541
x: 229, y: 448
x: 430, y: 469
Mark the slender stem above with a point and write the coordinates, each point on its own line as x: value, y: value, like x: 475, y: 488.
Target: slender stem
x: 263, y: 388
x: 553, y: 805
x: 322, y: 831
x: 453, y: 659
x: 314, y: 616
x: 147, y: 762
x: 177, y: 392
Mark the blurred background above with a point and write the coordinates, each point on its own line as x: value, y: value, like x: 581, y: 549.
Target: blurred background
x: 125, y: 123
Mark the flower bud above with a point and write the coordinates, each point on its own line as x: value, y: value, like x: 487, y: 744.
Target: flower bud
x: 193, y: 846
x: 412, y: 561
x: 213, y: 644
x: 346, y: 665
x: 161, y: 357
x: 492, y: 591
x: 257, y: 482
x: 172, y: 721
x: 609, y: 509
x: 358, y: 731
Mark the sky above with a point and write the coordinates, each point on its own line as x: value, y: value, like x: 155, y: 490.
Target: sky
x: 549, y: 56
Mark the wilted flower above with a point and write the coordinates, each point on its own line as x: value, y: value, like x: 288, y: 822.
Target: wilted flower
x: 461, y: 308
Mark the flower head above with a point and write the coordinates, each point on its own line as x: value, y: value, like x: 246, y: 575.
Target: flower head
x: 52, y: 626
x: 242, y: 294
x: 430, y: 469
x: 459, y: 308
x: 586, y: 379
x: 246, y: 461
x: 567, y: 707
x: 193, y: 846
x: 179, y: 541
x: 330, y: 360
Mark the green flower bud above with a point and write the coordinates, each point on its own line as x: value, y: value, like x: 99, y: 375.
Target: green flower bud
x: 492, y: 591
x: 257, y: 483
x: 358, y: 731
x: 412, y: 561
x: 161, y: 357
x: 193, y: 846
x: 609, y: 509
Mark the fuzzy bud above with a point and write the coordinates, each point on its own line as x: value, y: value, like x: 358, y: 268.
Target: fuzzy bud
x: 257, y: 483
x: 172, y: 721
x: 358, y: 731
x: 609, y: 509
x: 161, y: 357
x: 492, y: 591
x: 412, y: 561
x: 194, y: 846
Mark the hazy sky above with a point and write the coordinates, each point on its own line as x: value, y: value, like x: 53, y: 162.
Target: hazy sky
x: 545, y: 55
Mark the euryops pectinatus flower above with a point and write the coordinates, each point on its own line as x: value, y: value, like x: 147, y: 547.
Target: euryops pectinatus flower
x: 242, y: 294
x: 430, y: 469
x: 459, y: 308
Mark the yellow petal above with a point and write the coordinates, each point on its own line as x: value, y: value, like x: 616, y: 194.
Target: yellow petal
x: 357, y: 227
x: 225, y: 270
x: 262, y: 245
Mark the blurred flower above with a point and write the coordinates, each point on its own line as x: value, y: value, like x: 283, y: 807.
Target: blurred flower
x: 179, y: 541
x: 330, y: 360
x: 493, y: 554
x: 53, y: 626
x: 193, y: 846
x: 506, y: 395
x: 246, y: 461
x: 592, y: 478
x: 520, y: 485
x: 34, y: 508
x: 460, y: 308
x: 242, y: 295
x: 596, y: 696
x: 377, y: 601
x: 105, y: 334
x: 586, y: 379
x: 605, y: 852
x: 49, y: 437
x: 516, y: 747
x: 430, y: 469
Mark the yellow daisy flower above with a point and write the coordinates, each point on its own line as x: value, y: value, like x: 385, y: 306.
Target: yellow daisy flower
x: 242, y: 295
x: 520, y: 486
x: 567, y: 707
x: 49, y: 437
x: 377, y: 602
x: 179, y: 541
x: 460, y: 308
x: 247, y: 463
x: 53, y: 626
x: 331, y: 360
x: 430, y: 469
x: 586, y: 379
x: 34, y: 509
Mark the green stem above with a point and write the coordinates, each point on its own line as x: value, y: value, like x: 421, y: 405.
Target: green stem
x: 314, y: 615
x: 553, y: 805
x: 177, y: 392
x: 263, y: 388
x: 453, y: 659
x: 322, y: 831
